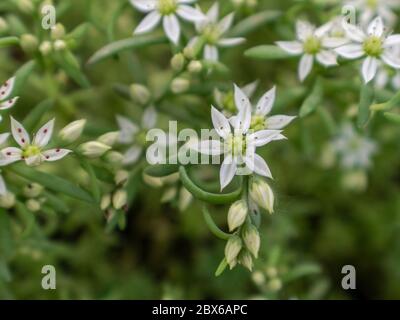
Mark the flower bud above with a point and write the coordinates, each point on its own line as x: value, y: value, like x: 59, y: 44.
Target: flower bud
x: 33, y: 205
x: 57, y: 32
x: 258, y: 278
x: 71, y: 132
x: 195, y: 66
x: 140, y: 93
x: 251, y: 238
x: 185, y: 198
x: 271, y: 272
x: 109, y: 138
x: 262, y: 194
x: 105, y: 202
x: 152, y: 181
x: 59, y: 45
x: 355, y: 180
x: 29, y: 43
x: 237, y: 214
x: 169, y: 195
x: 177, y: 62
x: 45, y: 48
x: 232, y: 249
x: 3, y: 25
x: 7, y: 201
x: 189, y: 52
x: 32, y: 190
x: 93, y: 149
x: 114, y: 157
x: 119, y: 199
x: 26, y: 6
x: 121, y: 177
x: 246, y: 260
x: 275, y: 284
x: 180, y: 85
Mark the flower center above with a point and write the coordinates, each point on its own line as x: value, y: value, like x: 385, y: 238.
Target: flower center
x: 211, y: 34
x: 312, y: 45
x: 372, y: 4
x: 373, y: 46
x: 31, y: 151
x: 236, y: 144
x: 257, y: 123
x: 140, y: 138
x: 167, y: 7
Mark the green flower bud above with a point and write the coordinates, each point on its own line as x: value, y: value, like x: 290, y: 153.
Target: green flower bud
x: 180, y: 85
x: 93, y: 149
x: 32, y: 190
x: 251, y: 238
x: 232, y: 249
x: 105, y: 202
x: 114, y: 157
x: 195, y: 66
x: 71, y: 132
x: 356, y: 180
x: 60, y: 45
x: 7, y: 201
x: 185, y: 198
x: 177, y: 62
x: 271, y: 272
x: 258, y: 278
x: 33, y: 205
x: 29, y: 43
x: 109, y: 138
x: 121, y: 177
x: 57, y: 32
x: 262, y: 194
x: 119, y: 199
x: 189, y: 52
x: 140, y: 93
x: 26, y: 6
x: 45, y: 47
x: 152, y: 181
x: 275, y: 285
x: 3, y: 25
x: 237, y: 214
x: 246, y: 260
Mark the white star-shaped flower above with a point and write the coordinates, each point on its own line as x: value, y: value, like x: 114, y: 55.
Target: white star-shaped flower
x: 372, y: 8
x: 32, y: 153
x: 373, y: 44
x: 135, y: 135
x: 167, y: 11
x: 6, y: 99
x: 212, y: 32
x: 238, y: 145
x: 312, y: 43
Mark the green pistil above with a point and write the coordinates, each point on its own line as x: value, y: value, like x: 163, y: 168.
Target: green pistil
x: 167, y: 7
x: 211, y: 34
x: 257, y: 123
x: 31, y: 151
x: 237, y: 144
x: 312, y: 45
x: 373, y: 46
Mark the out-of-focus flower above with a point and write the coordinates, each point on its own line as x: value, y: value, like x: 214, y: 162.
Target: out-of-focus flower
x: 374, y: 44
x: 387, y: 75
x: 32, y: 152
x: 93, y: 149
x: 167, y: 11
x: 372, y: 8
x: 312, y: 43
x: 72, y: 131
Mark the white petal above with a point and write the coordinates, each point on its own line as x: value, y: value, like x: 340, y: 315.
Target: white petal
x: 8, y: 103
x: 55, y: 154
x: 327, y: 58
x: 332, y: 42
x: 305, y: 66
x: 127, y: 129
x: 266, y: 102
x: 396, y: 81
x: 148, y: 23
x: 220, y: 122
x: 293, y: 47
x: 213, y: 12
x: 381, y: 79
x: 242, y: 121
x: 241, y: 100
x: 19, y: 133
x: 303, y: 30
x: 210, y: 53
x: 149, y: 119
x: 172, y: 28
x: 353, y: 32
x: 4, y: 137
x: 258, y: 165
x: 44, y: 134
x: 3, y: 188
x: 262, y: 137
x: 230, y: 42
x: 392, y: 40
x: 186, y: 1
x: 132, y: 155
x: 279, y: 121
x: 190, y: 14
x: 227, y: 171
x: 210, y: 147
x: 144, y: 5
x: 250, y: 88
x: 350, y: 51
x: 391, y: 60
x: 369, y: 68
x: 7, y: 88
x: 10, y: 155
x: 322, y: 30
x: 225, y: 23
x: 376, y: 27
x: 34, y: 160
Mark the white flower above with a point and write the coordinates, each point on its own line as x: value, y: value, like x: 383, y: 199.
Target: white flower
x: 260, y: 119
x: 239, y: 143
x: 167, y: 11
x: 32, y: 153
x: 354, y: 150
x: 372, y: 44
x: 312, y: 44
x: 6, y: 99
x: 372, y: 8
x: 387, y: 75
x: 135, y: 135
x: 212, y: 32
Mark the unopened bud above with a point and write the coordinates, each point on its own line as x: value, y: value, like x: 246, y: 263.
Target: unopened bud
x: 33, y: 205
x: 237, y: 214
x: 262, y: 194
x: 140, y: 93
x: 109, y: 138
x: 59, y: 45
x: 114, y: 157
x: 119, y: 199
x: 232, y: 249
x: 185, y: 198
x: 93, y: 149
x: 57, y: 32
x: 195, y: 66
x: 251, y: 238
x: 121, y: 177
x: 45, y: 48
x: 258, y: 278
x: 32, y: 190
x: 169, y: 195
x: 29, y: 43
x: 26, y: 6
x: 71, y: 132
x: 271, y: 272
x: 356, y: 180
x: 177, y: 62
x: 7, y: 201
x: 180, y: 85
x: 246, y: 260
x: 275, y: 284
x: 3, y: 25
x: 189, y: 52
x: 105, y: 202
x: 152, y: 181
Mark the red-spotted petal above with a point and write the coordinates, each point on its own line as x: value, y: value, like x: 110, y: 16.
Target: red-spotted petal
x: 55, y: 154
x: 19, y: 133
x: 7, y: 88
x: 43, y: 136
x: 8, y: 103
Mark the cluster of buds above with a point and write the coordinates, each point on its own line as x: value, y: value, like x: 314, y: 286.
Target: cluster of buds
x: 101, y: 146
x: 117, y: 199
x: 269, y: 279
x: 33, y: 193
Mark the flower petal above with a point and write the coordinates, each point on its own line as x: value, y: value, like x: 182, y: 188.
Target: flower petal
x: 225, y: 23
x: 241, y: 123
x: 132, y: 155
x: 4, y: 137
x: 293, y: 47
x: 227, y: 171
x: 149, y: 118
x: 213, y: 13
x: 279, y: 121
x: 262, y: 137
x: 8, y: 104
x: 376, y: 27
x: 353, y: 32
x: 369, y: 68
x: 44, y: 134
x: 241, y: 100
x: 230, y: 42
x: 304, y: 30
x: 392, y: 40
x: 250, y: 88
x: 210, y: 53
x: 55, y: 154
x: 332, y: 42
x: 7, y: 88
x: 391, y: 60
x: 305, y: 66
x: 322, y: 30
x: 144, y: 5
x: 34, y: 160
x: 127, y: 129
x: 19, y: 133
x: 148, y: 23
x: 350, y: 51
x: 10, y: 155
x: 172, y: 28
x: 266, y: 102
x: 258, y: 165
x: 327, y: 58
x: 220, y: 122
x: 190, y: 14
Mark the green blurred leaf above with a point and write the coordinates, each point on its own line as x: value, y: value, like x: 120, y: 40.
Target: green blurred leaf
x: 254, y: 23
x: 267, y: 52
x: 8, y: 41
x: 36, y: 114
x: 161, y: 170
x: 21, y: 77
x: 366, y: 99
x: 312, y: 101
x: 67, y: 61
x: 391, y: 116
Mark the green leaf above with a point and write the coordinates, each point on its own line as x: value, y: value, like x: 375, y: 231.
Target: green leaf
x: 221, y: 268
x: 393, y: 117
x: 94, y: 184
x: 312, y: 101
x: 161, y: 170
x: 6, y: 240
x: 36, y: 114
x: 213, y: 227
x: 52, y: 182
x: 5, y: 274
x: 21, y: 77
x: 215, y: 66
x: 27, y: 217
x: 254, y: 23
x: 267, y: 52
x: 366, y: 99
x: 302, y: 270
x: 56, y: 202
x: 8, y: 41
x: 213, y: 198
x: 126, y: 44
x: 67, y: 61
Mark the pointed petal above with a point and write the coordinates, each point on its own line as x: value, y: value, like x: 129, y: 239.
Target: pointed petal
x: 303, y: 30
x: 353, y: 32
x: 391, y: 60
x: 225, y: 23
x: 132, y: 155
x: 227, y: 171
x: 148, y: 23
x: 220, y: 122
x: 305, y: 66
x: 376, y: 27
x: 190, y: 14
x: 230, y: 42
x: 8, y: 104
x: 350, y: 51
x: 322, y: 30
x: 369, y: 68
x: 127, y: 129
x: 327, y: 58
x: 3, y: 188
x: 293, y: 47
x: 279, y: 121
x: 19, y: 133
x: 44, y: 134
x: 332, y: 42
x: 213, y: 12
x: 262, y: 137
x: 250, y: 88
x: 149, y: 119
x: 7, y: 88
x: 144, y: 5
x: 10, y: 155
x: 34, y: 160
x: 4, y: 137
x: 172, y: 28
x: 210, y: 53
x: 241, y: 100
x: 258, y: 165
x: 241, y: 123
x: 392, y: 40
x: 266, y: 102
x: 55, y: 154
